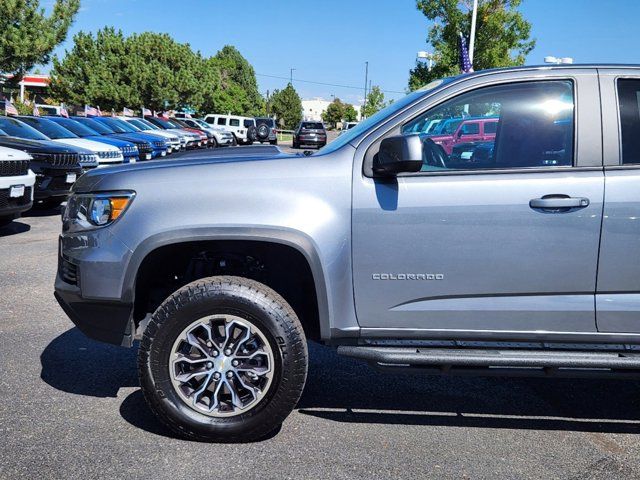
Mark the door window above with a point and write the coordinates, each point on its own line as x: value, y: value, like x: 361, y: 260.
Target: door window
x: 222, y: 121
x: 234, y: 122
x: 534, y: 127
x: 629, y: 105
x: 490, y: 127
x: 470, y: 128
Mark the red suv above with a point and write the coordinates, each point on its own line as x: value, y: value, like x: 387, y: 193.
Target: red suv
x: 475, y: 129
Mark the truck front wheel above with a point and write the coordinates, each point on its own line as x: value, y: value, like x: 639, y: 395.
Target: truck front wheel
x: 223, y: 359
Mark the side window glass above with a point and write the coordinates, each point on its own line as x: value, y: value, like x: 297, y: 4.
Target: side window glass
x: 222, y: 121
x: 629, y: 105
x: 525, y: 125
x: 234, y: 122
x: 490, y: 127
x: 470, y: 128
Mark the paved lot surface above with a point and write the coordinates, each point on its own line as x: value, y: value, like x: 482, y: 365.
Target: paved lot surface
x: 71, y: 408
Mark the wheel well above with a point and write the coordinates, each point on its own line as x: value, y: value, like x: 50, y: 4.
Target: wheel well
x: 280, y: 267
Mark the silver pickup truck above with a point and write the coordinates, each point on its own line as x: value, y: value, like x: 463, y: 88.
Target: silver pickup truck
x: 520, y: 257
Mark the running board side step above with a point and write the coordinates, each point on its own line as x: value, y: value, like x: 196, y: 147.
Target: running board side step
x: 498, y: 362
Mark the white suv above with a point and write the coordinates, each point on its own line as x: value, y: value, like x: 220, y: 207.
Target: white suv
x: 223, y: 137
x: 16, y: 184
x: 242, y: 128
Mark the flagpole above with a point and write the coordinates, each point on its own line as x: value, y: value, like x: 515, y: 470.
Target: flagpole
x: 472, y: 40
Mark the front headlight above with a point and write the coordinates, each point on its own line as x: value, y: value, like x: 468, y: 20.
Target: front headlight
x: 89, y: 211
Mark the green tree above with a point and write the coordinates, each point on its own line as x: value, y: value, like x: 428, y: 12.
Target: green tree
x: 349, y: 114
x: 375, y: 102
x: 502, y: 37
x: 286, y: 106
x: 335, y: 112
x: 27, y: 36
x: 236, y: 74
x: 150, y: 69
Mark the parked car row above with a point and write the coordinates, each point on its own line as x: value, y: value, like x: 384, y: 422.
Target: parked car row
x: 42, y: 157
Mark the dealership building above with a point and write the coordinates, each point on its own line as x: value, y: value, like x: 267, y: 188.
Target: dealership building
x: 312, y: 109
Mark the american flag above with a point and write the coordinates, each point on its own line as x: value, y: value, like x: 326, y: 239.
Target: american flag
x: 9, y: 108
x: 165, y: 115
x: 91, y: 111
x: 465, y: 62
x: 146, y: 112
x: 36, y: 110
x: 127, y: 113
x: 98, y: 110
x: 63, y: 112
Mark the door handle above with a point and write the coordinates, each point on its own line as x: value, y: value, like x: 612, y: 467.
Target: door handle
x: 558, y: 202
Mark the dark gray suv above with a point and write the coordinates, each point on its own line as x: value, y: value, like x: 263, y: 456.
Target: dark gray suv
x: 524, y: 260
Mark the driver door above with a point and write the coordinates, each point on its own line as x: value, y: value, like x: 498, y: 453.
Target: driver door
x: 487, y: 243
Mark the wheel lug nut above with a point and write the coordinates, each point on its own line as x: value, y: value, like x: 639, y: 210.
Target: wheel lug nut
x: 229, y: 374
x: 214, y: 353
x: 216, y: 376
x: 209, y: 365
x: 227, y: 352
x: 235, y: 363
x: 209, y: 344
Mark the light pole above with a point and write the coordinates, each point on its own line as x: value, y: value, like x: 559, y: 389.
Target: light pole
x: 291, y: 75
x: 558, y: 60
x: 428, y: 56
x: 472, y: 40
x: 366, y: 80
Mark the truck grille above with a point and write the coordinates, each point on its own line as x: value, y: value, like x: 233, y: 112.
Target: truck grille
x: 159, y: 144
x: 64, y: 159
x: 12, y: 168
x: 144, y: 147
x: 8, y: 202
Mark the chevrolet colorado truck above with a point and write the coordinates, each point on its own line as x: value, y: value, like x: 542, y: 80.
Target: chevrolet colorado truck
x: 380, y: 244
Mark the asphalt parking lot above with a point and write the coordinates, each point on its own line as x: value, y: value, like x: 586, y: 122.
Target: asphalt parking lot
x: 71, y: 408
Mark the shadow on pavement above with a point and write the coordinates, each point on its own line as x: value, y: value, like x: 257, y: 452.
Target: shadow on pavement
x: 43, y: 212
x: 344, y: 390
x: 14, y: 228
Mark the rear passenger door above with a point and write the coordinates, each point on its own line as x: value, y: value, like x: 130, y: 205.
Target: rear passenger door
x: 618, y: 287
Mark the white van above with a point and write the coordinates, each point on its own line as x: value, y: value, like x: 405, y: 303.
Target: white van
x: 239, y: 126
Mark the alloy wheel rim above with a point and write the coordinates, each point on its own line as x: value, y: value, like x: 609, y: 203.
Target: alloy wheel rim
x: 221, y: 365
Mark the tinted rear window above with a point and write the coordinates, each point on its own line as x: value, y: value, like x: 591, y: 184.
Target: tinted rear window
x: 270, y: 122
x: 490, y: 127
x: 312, y: 125
x: 234, y: 122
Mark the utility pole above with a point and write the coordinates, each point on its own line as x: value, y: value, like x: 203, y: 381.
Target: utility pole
x: 366, y: 81
x: 472, y: 40
x: 291, y: 76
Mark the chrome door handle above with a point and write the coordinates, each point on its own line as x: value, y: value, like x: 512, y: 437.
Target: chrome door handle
x: 557, y: 202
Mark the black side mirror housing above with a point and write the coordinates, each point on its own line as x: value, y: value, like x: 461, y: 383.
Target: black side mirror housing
x: 398, y: 154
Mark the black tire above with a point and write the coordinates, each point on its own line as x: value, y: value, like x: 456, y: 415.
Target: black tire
x: 295, y: 144
x: 213, y: 143
x: 252, y: 301
x: 263, y: 132
x: 235, y: 141
x: 273, y: 142
x: 252, y: 134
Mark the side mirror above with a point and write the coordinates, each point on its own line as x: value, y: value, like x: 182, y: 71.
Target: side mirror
x: 460, y: 132
x: 398, y: 154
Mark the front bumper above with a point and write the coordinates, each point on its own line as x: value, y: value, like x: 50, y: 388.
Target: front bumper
x: 16, y: 205
x: 52, y: 182
x: 89, y: 285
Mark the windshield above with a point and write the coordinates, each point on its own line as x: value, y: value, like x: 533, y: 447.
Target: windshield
x: 148, y: 124
x: 94, y: 125
x: 75, y: 127
x: 113, y: 124
x: 137, y: 123
x: 160, y: 122
x: 49, y: 128
x: 201, y: 123
x: 16, y: 128
x: 366, y: 124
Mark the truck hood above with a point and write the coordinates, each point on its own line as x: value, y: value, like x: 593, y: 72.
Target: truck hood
x: 129, y: 174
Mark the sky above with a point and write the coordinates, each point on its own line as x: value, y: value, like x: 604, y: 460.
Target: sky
x: 329, y: 41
